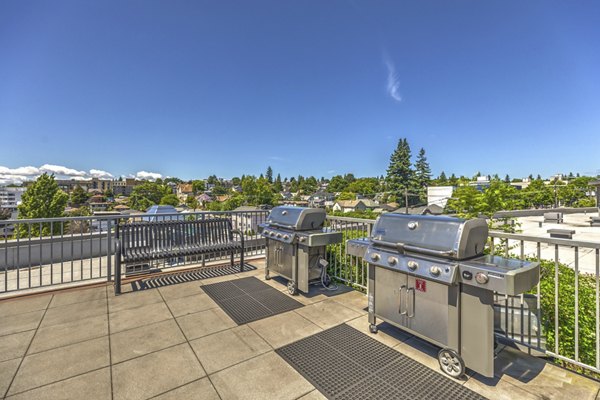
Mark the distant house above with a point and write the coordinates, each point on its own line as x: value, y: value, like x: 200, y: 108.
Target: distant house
x: 349, y: 205
x: 184, y: 190
x: 204, y: 199
x: 321, y: 199
x: 286, y: 195
x: 439, y: 195
x: 247, y: 218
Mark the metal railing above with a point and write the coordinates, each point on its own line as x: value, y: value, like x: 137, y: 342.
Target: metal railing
x: 560, y: 317
x: 37, y: 253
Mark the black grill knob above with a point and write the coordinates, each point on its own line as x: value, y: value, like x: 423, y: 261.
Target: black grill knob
x: 375, y: 257
x: 412, y: 265
x: 481, y: 278
x: 392, y: 260
x: 435, y: 270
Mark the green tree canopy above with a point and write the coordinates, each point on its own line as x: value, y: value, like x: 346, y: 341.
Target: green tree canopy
x: 42, y: 199
x: 146, y: 195
x: 337, y: 184
x: 169, y: 200
x: 192, y: 203
x: 198, y: 186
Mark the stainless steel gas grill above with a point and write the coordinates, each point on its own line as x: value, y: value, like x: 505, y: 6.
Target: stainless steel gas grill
x: 296, y: 243
x: 428, y: 276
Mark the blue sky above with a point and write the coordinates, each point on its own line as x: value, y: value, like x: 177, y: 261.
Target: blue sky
x: 193, y: 88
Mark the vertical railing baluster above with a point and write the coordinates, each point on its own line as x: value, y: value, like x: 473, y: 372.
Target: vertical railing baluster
x: 576, y: 303
x: 556, y: 273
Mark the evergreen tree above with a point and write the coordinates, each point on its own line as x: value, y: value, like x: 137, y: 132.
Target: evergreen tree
x: 269, y: 174
x: 278, y: 185
x: 400, y: 176
x: 507, y: 179
x: 42, y: 199
x: 422, y: 170
x: 442, y: 179
x: 78, y: 196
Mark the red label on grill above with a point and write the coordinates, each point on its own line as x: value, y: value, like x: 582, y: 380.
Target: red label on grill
x: 421, y: 285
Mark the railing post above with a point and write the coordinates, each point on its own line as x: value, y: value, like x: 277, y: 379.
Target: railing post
x: 108, y: 250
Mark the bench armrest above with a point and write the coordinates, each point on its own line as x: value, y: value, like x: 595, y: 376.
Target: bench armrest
x: 240, y: 234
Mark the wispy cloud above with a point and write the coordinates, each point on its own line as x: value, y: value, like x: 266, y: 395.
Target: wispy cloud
x: 393, y: 82
x: 20, y: 175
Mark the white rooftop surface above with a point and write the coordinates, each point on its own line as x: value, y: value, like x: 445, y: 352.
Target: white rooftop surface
x: 583, y: 232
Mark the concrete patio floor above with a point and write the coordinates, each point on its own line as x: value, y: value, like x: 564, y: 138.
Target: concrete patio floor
x: 174, y: 342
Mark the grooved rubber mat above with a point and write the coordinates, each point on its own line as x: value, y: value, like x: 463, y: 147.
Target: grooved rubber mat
x: 248, y: 299
x: 344, y: 363
x: 188, y: 276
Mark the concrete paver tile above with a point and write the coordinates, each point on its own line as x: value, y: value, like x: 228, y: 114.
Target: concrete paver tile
x: 328, y: 313
x: 201, y: 389
x: 131, y: 300
x: 223, y: 349
x: 140, y: 316
x: 24, y: 305
x: 265, y: 377
x: 191, y: 304
x: 20, y: 322
x: 145, y: 339
x: 78, y: 296
x: 7, y: 372
x: 61, y: 363
x: 92, y: 385
x: 156, y: 373
x: 285, y: 328
x: 15, y: 345
x: 52, y: 336
x: 74, y: 312
x: 204, y: 323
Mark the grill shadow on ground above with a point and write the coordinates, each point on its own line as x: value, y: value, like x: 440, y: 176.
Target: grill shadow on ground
x: 187, y: 276
x: 249, y: 299
x: 344, y: 363
x: 315, y: 289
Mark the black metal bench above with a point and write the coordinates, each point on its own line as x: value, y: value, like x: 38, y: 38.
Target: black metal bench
x: 561, y: 233
x: 144, y: 242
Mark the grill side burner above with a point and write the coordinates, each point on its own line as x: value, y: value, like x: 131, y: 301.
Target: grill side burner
x: 296, y: 245
x: 428, y: 276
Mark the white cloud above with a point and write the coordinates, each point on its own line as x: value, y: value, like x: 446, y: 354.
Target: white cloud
x: 60, y: 170
x: 393, y: 82
x: 152, y: 176
x: 98, y: 173
x: 20, y: 175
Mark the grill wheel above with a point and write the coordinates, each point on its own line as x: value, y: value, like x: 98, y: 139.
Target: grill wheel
x: 451, y: 363
x: 292, y: 288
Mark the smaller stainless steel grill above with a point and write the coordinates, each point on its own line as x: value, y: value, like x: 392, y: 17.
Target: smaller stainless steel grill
x: 428, y: 276
x: 296, y: 243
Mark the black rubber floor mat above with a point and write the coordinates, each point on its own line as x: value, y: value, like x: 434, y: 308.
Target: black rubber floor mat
x: 188, y: 276
x: 249, y: 299
x: 344, y: 363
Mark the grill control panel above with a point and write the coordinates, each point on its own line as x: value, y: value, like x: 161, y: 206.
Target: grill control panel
x: 437, y: 270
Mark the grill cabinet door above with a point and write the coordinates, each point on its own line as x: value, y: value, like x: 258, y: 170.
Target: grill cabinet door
x: 428, y: 308
x: 390, y: 295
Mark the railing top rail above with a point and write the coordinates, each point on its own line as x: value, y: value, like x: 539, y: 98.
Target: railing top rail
x: 541, y: 239
x: 124, y: 216
x: 350, y: 219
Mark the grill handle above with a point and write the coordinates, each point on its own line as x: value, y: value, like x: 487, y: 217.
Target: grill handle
x: 402, y: 290
x: 412, y: 289
x: 403, y: 248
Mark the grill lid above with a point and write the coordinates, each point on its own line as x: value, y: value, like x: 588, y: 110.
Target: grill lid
x: 447, y: 237
x: 297, y: 218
